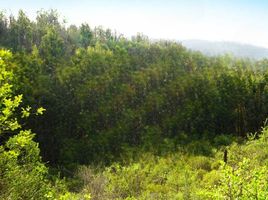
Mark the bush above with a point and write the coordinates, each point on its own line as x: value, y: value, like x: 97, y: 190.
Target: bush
x: 22, y: 174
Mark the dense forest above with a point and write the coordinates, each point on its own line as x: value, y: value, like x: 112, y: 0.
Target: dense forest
x: 87, y: 113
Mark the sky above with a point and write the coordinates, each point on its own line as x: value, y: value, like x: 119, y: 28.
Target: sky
x: 243, y: 21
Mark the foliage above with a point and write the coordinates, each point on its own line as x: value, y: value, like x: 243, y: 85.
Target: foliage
x: 104, y: 93
x: 157, y: 115
x: 22, y: 174
x: 183, y: 176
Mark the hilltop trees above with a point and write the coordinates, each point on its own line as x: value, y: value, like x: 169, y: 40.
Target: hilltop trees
x: 104, y: 93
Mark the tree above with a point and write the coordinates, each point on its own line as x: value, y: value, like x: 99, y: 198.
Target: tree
x: 21, y: 35
x: 51, y: 50
x: 86, y: 35
x: 22, y: 174
x: 3, y: 29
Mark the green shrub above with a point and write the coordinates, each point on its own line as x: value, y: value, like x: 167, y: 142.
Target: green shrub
x: 223, y: 140
x: 22, y: 174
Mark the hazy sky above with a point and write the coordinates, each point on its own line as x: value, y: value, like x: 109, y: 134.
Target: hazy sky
x: 244, y: 21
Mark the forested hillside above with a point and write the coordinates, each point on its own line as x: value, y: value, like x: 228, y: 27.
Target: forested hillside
x: 136, y: 108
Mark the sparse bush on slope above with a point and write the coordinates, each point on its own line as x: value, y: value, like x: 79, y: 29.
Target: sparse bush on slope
x: 185, y: 176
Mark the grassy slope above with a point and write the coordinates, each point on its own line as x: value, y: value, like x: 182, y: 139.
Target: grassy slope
x: 184, y: 176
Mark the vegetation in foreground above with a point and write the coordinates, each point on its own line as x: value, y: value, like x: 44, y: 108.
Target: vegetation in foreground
x: 184, y: 176
x: 126, y: 119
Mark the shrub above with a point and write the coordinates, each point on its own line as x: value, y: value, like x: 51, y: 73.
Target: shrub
x: 22, y: 174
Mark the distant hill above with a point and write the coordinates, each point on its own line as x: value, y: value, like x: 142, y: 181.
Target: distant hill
x: 219, y: 48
